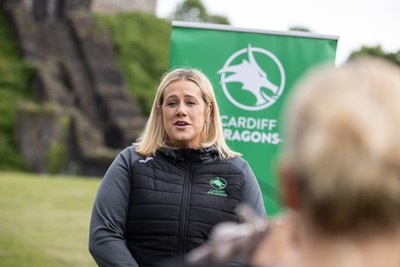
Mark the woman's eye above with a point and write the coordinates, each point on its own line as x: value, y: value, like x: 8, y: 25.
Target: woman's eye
x: 170, y: 104
x: 191, y: 103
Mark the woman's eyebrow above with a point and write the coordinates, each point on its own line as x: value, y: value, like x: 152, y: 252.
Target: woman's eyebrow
x: 171, y: 96
x: 185, y: 96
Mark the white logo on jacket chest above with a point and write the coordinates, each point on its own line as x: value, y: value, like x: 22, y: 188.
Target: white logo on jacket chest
x: 145, y: 160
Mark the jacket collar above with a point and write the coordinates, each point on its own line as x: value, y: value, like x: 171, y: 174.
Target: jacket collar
x: 203, y: 154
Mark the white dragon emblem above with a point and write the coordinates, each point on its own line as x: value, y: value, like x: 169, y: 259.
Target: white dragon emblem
x: 252, y: 77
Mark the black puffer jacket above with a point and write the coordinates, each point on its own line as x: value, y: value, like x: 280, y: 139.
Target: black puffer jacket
x: 152, y: 209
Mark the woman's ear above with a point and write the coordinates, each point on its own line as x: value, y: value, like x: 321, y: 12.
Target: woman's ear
x: 290, y: 189
x: 209, y: 109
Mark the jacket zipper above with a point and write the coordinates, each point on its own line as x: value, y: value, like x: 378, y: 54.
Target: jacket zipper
x: 182, y: 241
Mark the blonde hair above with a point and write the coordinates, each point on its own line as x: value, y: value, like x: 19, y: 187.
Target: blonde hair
x: 343, y: 145
x: 154, y: 135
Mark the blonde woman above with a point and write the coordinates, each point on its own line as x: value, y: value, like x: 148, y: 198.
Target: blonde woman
x: 161, y: 197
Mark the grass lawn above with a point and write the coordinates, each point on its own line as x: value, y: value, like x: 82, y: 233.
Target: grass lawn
x: 44, y: 220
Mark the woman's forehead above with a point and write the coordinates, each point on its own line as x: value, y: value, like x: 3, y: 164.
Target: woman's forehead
x: 182, y: 88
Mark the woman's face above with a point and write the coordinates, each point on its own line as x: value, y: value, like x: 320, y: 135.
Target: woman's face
x: 184, y: 114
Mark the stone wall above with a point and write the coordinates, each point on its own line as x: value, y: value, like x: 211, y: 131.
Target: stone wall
x: 57, y: 139
x: 44, y: 123
x: 76, y: 70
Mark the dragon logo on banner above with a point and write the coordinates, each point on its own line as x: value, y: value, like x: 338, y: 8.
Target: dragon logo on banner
x: 252, y: 78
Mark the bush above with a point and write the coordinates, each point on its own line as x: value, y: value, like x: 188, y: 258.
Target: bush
x: 15, y: 76
x: 142, y: 43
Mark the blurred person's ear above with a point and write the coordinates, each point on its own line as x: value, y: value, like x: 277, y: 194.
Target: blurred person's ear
x: 290, y: 190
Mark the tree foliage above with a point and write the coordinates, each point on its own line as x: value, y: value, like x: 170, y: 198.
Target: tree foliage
x: 299, y: 29
x: 195, y: 11
x: 15, y: 76
x: 376, y: 51
x: 142, y: 43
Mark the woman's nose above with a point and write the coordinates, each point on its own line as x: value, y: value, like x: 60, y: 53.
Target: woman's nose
x: 181, y: 110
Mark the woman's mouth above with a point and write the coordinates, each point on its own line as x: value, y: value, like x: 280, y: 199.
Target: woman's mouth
x: 181, y: 123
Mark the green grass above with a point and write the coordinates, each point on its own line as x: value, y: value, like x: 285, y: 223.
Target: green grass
x: 44, y: 220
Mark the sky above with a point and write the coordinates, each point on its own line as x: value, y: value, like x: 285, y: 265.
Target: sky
x: 355, y: 22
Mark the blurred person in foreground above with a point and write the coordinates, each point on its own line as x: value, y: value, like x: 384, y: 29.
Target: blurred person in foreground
x: 161, y: 197
x: 340, y: 177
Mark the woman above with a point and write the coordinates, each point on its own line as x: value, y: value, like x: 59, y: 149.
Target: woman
x: 160, y: 198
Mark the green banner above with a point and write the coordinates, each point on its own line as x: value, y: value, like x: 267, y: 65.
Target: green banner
x: 252, y: 72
